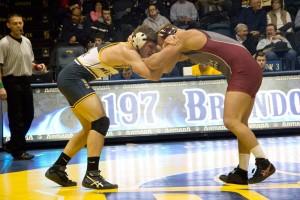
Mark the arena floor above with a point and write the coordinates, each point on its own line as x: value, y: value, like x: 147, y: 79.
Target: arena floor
x: 183, y: 170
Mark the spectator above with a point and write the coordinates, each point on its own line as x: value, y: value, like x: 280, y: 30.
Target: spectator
x: 242, y: 36
x: 144, y: 4
x: 268, y: 45
x: 73, y: 29
x: 184, y: 15
x: 105, y: 25
x: 98, y: 40
x: 254, y: 17
x: 97, y: 12
x: 154, y: 20
x: 278, y: 16
x: 62, y: 12
x: 125, y: 74
x: 260, y: 58
x: 16, y: 66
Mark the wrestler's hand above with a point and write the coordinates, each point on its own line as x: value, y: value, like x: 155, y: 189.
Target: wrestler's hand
x: 171, y: 40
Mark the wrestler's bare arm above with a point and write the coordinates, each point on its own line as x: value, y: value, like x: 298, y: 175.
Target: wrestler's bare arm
x: 170, y: 55
x: 166, y: 58
x: 134, y: 60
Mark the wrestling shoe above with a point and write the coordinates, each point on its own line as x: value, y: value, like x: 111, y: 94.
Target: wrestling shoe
x: 58, y: 174
x: 236, y: 176
x: 264, y: 169
x: 23, y: 156
x: 94, y: 180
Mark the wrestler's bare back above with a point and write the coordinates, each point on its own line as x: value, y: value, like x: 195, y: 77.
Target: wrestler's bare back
x: 118, y: 55
x: 168, y: 57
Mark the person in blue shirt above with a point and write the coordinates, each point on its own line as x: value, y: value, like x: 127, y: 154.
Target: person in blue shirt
x: 254, y: 17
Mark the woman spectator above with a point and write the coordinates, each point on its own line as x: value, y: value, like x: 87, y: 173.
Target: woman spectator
x: 97, y: 12
x: 278, y: 16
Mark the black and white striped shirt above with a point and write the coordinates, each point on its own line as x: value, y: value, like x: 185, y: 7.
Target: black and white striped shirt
x: 16, y: 57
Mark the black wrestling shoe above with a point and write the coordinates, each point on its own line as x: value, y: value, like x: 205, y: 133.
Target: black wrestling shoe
x: 264, y: 169
x: 236, y: 176
x: 94, y: 180
x: 23, y: 156
x: 58, y: 174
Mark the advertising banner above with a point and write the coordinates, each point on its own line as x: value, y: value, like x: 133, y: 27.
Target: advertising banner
x: 162, y: 108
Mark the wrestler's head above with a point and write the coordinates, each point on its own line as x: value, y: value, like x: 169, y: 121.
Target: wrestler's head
x: 144, y: 41
x: 164, y: 32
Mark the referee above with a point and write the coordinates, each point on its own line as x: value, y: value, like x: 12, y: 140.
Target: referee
x: 16, y: 63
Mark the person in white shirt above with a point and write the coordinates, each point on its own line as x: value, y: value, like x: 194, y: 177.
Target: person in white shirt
x: 267, y: 44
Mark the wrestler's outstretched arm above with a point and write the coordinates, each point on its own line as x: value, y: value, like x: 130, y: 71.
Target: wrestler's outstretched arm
x: 135, y: 62
x: 170, y: 54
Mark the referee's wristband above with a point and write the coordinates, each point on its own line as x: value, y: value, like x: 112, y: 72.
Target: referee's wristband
x: 36, y: 67
x: 1, y: 85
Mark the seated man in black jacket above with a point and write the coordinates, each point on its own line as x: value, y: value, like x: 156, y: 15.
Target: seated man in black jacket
x: 74, y: 29
x: 104, y: 25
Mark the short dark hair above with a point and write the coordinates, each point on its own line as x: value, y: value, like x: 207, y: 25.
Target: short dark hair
x: 275, y: 27
x: 13, y: 14
x: 259, y: 53
x: 99, y: 35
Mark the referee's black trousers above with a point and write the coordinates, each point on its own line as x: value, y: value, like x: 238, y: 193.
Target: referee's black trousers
x: 20, y: 110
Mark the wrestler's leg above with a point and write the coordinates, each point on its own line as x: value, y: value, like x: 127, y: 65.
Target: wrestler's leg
x: 79, y: 140
x: 244, y: 153
x: 57, y: 172
x: 91, y: 109
x: 235, y: 108
x: 237, y: 104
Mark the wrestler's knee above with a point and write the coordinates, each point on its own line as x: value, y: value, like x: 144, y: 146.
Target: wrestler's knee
x: 230, y: 123
x: 101, y: 125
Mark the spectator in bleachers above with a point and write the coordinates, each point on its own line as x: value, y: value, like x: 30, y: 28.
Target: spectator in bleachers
x: 261, y: 59
x: 154, y: 20
x: 96, y: 13
x: 105, y: 25
x: 276, y: 46
x: 62, y: 12
x: 125, y: 74
x: 184, y: 15
x: 278, y: 16
x: 242, y: 36
x: 144, y: 4
x: 254, y: 17
x: 98, y: 40
x: 74, y: 29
